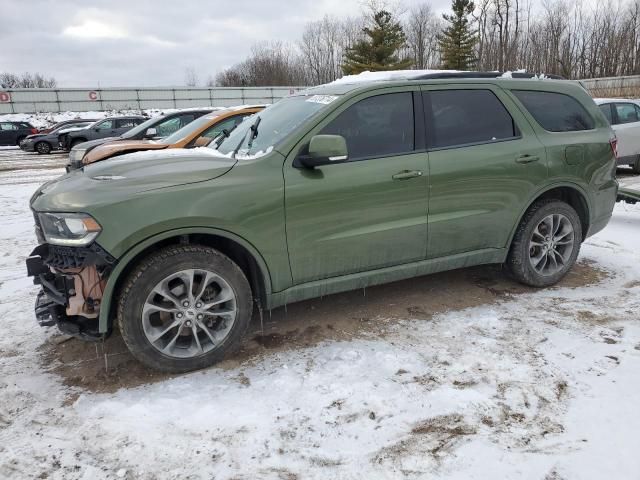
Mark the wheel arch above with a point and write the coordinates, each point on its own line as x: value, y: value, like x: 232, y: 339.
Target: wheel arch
x: 570, y: 193
x: 245, y: 255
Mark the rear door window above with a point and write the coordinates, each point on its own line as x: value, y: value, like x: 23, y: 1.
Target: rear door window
x: 464, y: 117
x: 7, y: 126
x: 105, y: 125
x: 626, y: 113
x: 377, y: 126
x: 126, y: 123
x: 555, y: 112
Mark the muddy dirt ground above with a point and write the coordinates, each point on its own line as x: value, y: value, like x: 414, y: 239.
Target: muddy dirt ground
x: 108, y: 366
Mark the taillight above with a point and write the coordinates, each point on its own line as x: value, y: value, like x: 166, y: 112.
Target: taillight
x: 34, y: 131
x: 614, y: 146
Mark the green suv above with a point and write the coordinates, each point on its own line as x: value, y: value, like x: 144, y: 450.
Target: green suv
x: 338, y: 187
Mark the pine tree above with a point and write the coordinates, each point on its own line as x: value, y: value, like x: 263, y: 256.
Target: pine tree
x: 458, y: 40
x: 379, y: 50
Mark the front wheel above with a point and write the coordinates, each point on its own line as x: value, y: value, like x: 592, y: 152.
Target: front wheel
x: 184, y: 308
x: 546, y: 244
x: 43, y: 148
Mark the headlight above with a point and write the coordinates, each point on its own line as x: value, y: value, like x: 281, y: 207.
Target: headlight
x: 77, y: 154
x: 72, y: 229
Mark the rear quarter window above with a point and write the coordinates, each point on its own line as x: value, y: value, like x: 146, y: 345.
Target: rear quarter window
x: 555, y: 112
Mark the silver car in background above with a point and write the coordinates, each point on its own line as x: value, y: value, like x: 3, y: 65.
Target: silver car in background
x: 624, y: 116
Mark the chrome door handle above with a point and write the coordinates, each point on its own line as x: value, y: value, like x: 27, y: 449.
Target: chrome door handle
x: 527, y: 158
x: 407, y: 174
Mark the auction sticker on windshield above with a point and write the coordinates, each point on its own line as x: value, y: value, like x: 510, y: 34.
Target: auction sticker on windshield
x: 323, y: 99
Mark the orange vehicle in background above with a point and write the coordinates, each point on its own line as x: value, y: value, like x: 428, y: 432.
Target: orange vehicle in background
x: 198, y: 133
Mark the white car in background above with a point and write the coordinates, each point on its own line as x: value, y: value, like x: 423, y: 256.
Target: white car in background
x: 624, y: 116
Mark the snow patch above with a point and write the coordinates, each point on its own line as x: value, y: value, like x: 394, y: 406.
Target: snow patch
x: 368, y: 76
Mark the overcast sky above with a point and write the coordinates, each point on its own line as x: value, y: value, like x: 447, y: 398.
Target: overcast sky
x: 149, y: 42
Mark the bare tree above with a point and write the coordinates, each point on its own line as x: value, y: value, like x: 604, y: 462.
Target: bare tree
x: 324, y: 44
x: 562, y: 37
x: 269, y: 64
x: 26, y: 80
x: 190, y: 77
x: 421, y: 29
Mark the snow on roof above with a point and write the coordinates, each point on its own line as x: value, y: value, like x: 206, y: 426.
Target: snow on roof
x: 609, y: 100
x: 386, y: 76
x: 509, y: 74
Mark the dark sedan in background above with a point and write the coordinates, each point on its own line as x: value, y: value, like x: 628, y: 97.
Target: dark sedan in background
x: 64, y: 123
x: 155, y: 128
x: 44, y: 143
x: 12, y: 133
x: 108, y: 127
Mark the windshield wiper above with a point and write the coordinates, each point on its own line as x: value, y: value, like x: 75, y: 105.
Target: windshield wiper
x: 223, y: 135
x: 254, y: 133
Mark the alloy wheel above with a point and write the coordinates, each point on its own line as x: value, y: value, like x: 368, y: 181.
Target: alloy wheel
x: 551, y: 244
x: 189, y: 313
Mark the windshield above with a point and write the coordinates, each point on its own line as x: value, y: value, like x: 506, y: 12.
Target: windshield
x: 276, y: 122
x: 190, y: 128
x: 142, y: 127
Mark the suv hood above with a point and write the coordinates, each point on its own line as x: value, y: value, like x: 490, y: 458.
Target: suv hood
x: 115, y: 179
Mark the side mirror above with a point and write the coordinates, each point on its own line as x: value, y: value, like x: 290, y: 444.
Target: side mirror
x: 150, y: 133
x: 323, y: 150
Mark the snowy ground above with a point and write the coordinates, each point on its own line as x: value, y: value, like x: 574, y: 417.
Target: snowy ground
x: 463, y: 375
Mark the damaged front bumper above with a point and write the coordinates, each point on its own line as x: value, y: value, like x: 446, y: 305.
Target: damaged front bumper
x: 72, y: 281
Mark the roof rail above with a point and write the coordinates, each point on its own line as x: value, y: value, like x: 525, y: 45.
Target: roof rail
x: 482, y: 75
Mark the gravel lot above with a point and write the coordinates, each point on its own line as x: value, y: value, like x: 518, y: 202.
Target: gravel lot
x: 457, y: 375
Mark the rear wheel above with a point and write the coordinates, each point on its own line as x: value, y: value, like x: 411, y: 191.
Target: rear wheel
x: 184, y: 308
x: 20, y: 139
x: 43, y: 148
x: 546, y: 244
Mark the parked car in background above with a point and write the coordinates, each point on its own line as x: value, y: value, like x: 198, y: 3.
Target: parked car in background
x: 12, y: 133
x: 44, y: 143
x: 624, y: 117
x: 154, y: 128
x: 64, y: 123
x: 338, y: 187
x: 197, y: 133
x: 106, y: 128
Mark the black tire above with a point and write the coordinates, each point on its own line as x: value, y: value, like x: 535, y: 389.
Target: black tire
x: 43, y: 148
x: 19, y: 140
x: 518, y: 262
x: 636, y: 166
x: 154, y: 269
x: 77, y: 141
